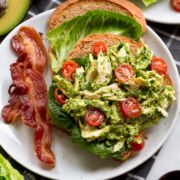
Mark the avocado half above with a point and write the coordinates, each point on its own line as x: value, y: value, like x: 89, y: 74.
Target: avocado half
x: 11, y: 13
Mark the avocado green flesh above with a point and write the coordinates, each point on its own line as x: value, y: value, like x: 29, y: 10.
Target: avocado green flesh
x: 96, y: 82
x: 14, y: 13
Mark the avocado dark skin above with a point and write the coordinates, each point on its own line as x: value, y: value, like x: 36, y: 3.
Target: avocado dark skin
x: 3, y: 7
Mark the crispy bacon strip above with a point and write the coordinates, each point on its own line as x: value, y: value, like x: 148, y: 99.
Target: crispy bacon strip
x: 42, y: 140
x: 29, y: 97
x: 22, y: 57
x: 27, y: 112
x: 17, y: 45
x: 11, y: 112
x: 18, y: 76
x: 34, y: 114
x: 29, y: 42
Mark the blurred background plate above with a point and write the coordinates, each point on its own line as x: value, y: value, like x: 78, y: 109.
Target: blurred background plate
x: 160, y: 12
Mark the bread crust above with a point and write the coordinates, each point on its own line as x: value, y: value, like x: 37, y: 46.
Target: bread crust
x: 168, y: 81
x: 72, y: 8
x: 85, y: 46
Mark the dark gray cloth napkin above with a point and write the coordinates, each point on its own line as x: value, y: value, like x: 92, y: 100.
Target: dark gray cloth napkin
x: 170, y: 34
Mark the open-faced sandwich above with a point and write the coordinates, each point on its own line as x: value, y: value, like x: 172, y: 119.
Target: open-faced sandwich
x: 107, y: 88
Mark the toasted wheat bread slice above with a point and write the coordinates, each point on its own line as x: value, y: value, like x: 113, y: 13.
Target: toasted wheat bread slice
x: 85, y: 46
x: 168, y: 81
x: 73, y: 8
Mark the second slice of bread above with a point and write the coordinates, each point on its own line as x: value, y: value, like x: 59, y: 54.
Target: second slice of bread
x: 73, y: 8
x: 85, y: 46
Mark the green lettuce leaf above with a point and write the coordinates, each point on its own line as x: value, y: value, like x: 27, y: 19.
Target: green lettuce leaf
x: 148, y: 2
x: 7, y: 172
x: 59, y: 117
x: 95, y: 147
x: 64, y: 37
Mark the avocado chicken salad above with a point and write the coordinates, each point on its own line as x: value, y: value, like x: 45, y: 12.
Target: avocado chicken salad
x: 107, y: 98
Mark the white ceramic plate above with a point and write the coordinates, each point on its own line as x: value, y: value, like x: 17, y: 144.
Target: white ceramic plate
x: 160, y: 12
x: 71, y: 161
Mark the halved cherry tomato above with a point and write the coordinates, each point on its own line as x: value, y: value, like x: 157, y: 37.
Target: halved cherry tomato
x: 130, y: 107
x: 123, y: 72
x: 99, y: 46
x: 138, y: 143
x: 59, y: 96
x: 94, y: 117
x: 176, y: 4
x: 68, y: 69
x: 159, y: 65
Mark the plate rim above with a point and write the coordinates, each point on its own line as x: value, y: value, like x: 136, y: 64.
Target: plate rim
x: 147, y: 156
x: 156, y: 20
x: 148, y: 18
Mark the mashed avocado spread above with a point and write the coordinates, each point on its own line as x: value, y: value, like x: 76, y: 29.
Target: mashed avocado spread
x: 95, y: 85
